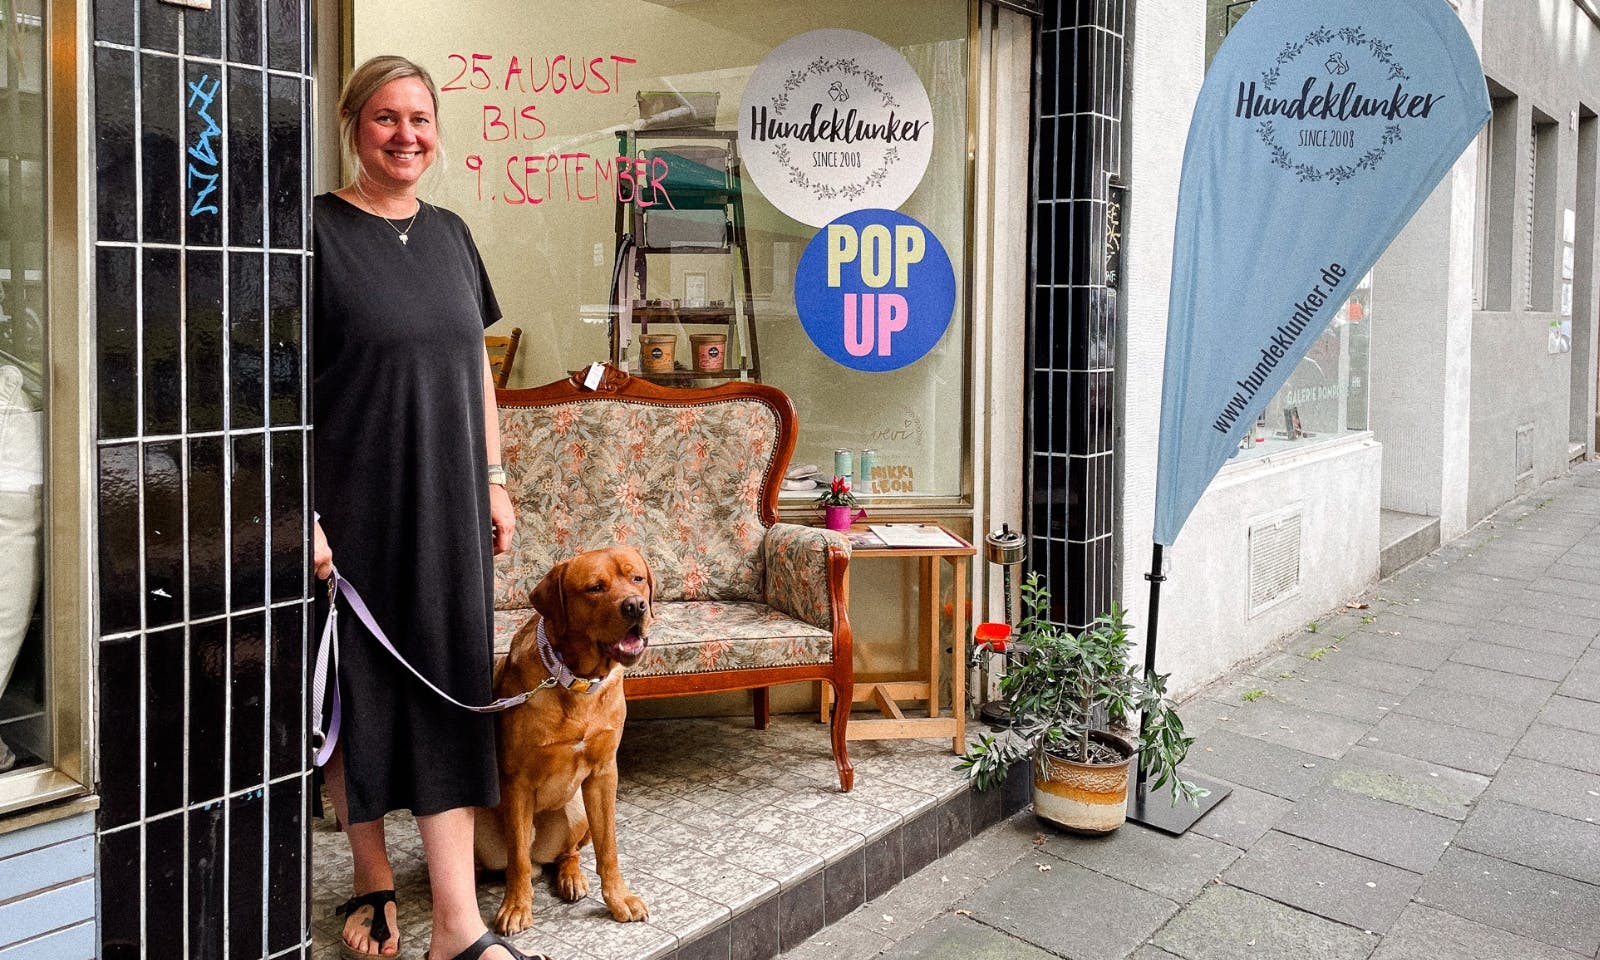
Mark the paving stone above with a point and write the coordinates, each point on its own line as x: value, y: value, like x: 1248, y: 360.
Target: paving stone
x: 1319, y: 879
x: 1242, y: 817
x: 1513, y: 660
x: 1393, y: 648
x: 1572, y: 713
x: 1575, y: 586
x: 1376, y: 829
x: 1465, y: 596
x: 1524, y: 637
x: 1070, y: 911
x: 1429, y: 787
x: 1289, y: 726
x: 1478, y: 584
x: 1583, y: 682
x: 1255, y: 763
x: 1227, y: 923
x: 1149, y: 952
x: 1442, y: 612
x: 1561, y: 535
x: 1423, y: 933
x: 1518, y: 899
x: 1562, y: 747
x: 1393, y: 621
x: 1534, y: 838
x: 1547, y: 620
x: 1327, y: 695
x: 1570, y: 793
x: 844, y: 941
x: 935, y: 889
x: 1566, y: 602
x: 1347, y: 668
x: 1492, y: 683
x: 957, y: 938
x: 1473, y: 711
x: 1177, y: 868
x: 1440, y: 743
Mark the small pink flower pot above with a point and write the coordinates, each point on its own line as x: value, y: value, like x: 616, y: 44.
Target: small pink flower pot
x: 839, y: 518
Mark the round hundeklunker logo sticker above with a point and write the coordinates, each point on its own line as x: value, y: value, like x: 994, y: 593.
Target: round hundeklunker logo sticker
x: 834, y: 121
x: 1331, y: 104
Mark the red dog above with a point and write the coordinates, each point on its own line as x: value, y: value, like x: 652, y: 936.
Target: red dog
x: 558, y: 751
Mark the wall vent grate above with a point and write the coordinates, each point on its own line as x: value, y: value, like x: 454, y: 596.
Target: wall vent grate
x: 1274, y: 559
x: 1524, y: 452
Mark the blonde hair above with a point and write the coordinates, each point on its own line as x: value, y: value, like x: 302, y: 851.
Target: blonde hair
x: 365, y: 81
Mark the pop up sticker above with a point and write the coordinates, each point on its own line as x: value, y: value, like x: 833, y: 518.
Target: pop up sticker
x: 875, y: 290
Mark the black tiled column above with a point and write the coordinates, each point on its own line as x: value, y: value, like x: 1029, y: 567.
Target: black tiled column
x: 1073, y: 330
x: 201, y: 264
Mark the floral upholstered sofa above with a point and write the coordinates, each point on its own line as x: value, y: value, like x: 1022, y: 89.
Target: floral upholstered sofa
x: 690, y: 477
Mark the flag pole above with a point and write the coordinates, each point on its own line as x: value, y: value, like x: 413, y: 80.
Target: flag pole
x: 1159, y: 812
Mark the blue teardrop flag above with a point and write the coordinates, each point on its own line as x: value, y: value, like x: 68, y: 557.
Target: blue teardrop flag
x: 1320, y: 129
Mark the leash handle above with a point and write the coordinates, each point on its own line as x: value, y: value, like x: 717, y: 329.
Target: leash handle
x: 328, y: 652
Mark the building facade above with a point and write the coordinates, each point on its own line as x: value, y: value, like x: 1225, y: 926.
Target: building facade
x: 158, y: 164
x: 1460, y: 374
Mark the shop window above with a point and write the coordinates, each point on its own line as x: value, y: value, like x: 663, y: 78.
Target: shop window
x: 44, y: 646
x: 24, y: 717
x: 688, y: 236
x: 1326, y: 395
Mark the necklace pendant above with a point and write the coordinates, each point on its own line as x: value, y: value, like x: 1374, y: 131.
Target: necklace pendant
x: 404, y: 238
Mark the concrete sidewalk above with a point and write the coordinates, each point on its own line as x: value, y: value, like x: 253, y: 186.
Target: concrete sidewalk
x: 1417, y: 779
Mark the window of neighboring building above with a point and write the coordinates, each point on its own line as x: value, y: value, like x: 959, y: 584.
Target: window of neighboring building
x: 1326, y: 395
x: 1497, y: 211
x: 536, y: 107
x: 1543, y: 222
x: 1480, y: 260
x: 25, y: 727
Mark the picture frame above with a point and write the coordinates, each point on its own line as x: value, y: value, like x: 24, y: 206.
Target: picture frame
x: 1292, y: 428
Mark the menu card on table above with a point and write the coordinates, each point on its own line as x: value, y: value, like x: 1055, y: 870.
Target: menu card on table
x: 914, y: 535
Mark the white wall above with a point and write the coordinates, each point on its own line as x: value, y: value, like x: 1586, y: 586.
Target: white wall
x: 1206, y: 625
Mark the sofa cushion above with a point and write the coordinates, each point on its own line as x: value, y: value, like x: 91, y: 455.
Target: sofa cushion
x: 707, y: 635
x: 684, y: 484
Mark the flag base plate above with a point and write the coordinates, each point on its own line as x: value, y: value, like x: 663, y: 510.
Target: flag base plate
x: 1155, y: 809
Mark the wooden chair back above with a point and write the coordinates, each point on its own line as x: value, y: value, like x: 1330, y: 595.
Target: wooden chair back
x: 502, y: 354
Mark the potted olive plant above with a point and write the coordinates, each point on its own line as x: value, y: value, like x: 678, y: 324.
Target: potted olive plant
x: 1066, y: 694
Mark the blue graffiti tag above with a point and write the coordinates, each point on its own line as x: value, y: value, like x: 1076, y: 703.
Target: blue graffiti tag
x: 204, y: 151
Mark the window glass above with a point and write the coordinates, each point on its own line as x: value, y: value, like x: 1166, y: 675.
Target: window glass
x: 537, y: 104
x: 24, y: 722
x: 1326, y: 395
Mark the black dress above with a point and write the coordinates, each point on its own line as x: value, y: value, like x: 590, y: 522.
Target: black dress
x: 402, y: 490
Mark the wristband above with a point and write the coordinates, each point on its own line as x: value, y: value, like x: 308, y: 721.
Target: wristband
x: 497, y: 475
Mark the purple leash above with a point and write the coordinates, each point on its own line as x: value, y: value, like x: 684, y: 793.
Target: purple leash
x: 328, y: 653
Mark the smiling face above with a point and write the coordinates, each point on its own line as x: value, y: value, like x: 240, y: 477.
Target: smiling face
x: 396, y: 136
x: 597, y: 608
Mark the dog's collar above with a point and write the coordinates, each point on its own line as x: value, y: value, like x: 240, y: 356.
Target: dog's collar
x: 559, y: 670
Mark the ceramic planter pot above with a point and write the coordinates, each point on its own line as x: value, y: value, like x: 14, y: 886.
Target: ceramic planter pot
x: 1084, y: 797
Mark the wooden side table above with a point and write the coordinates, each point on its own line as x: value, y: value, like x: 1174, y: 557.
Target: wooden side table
x: 887, y: 693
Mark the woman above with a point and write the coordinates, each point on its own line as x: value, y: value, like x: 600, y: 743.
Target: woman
x: 410, y: 492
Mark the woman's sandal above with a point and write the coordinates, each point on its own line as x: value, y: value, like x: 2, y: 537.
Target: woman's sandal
x: 492, y: 939
x: 379, y: 929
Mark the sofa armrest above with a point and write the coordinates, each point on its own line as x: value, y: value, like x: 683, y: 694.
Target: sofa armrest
x: 799, y: 572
